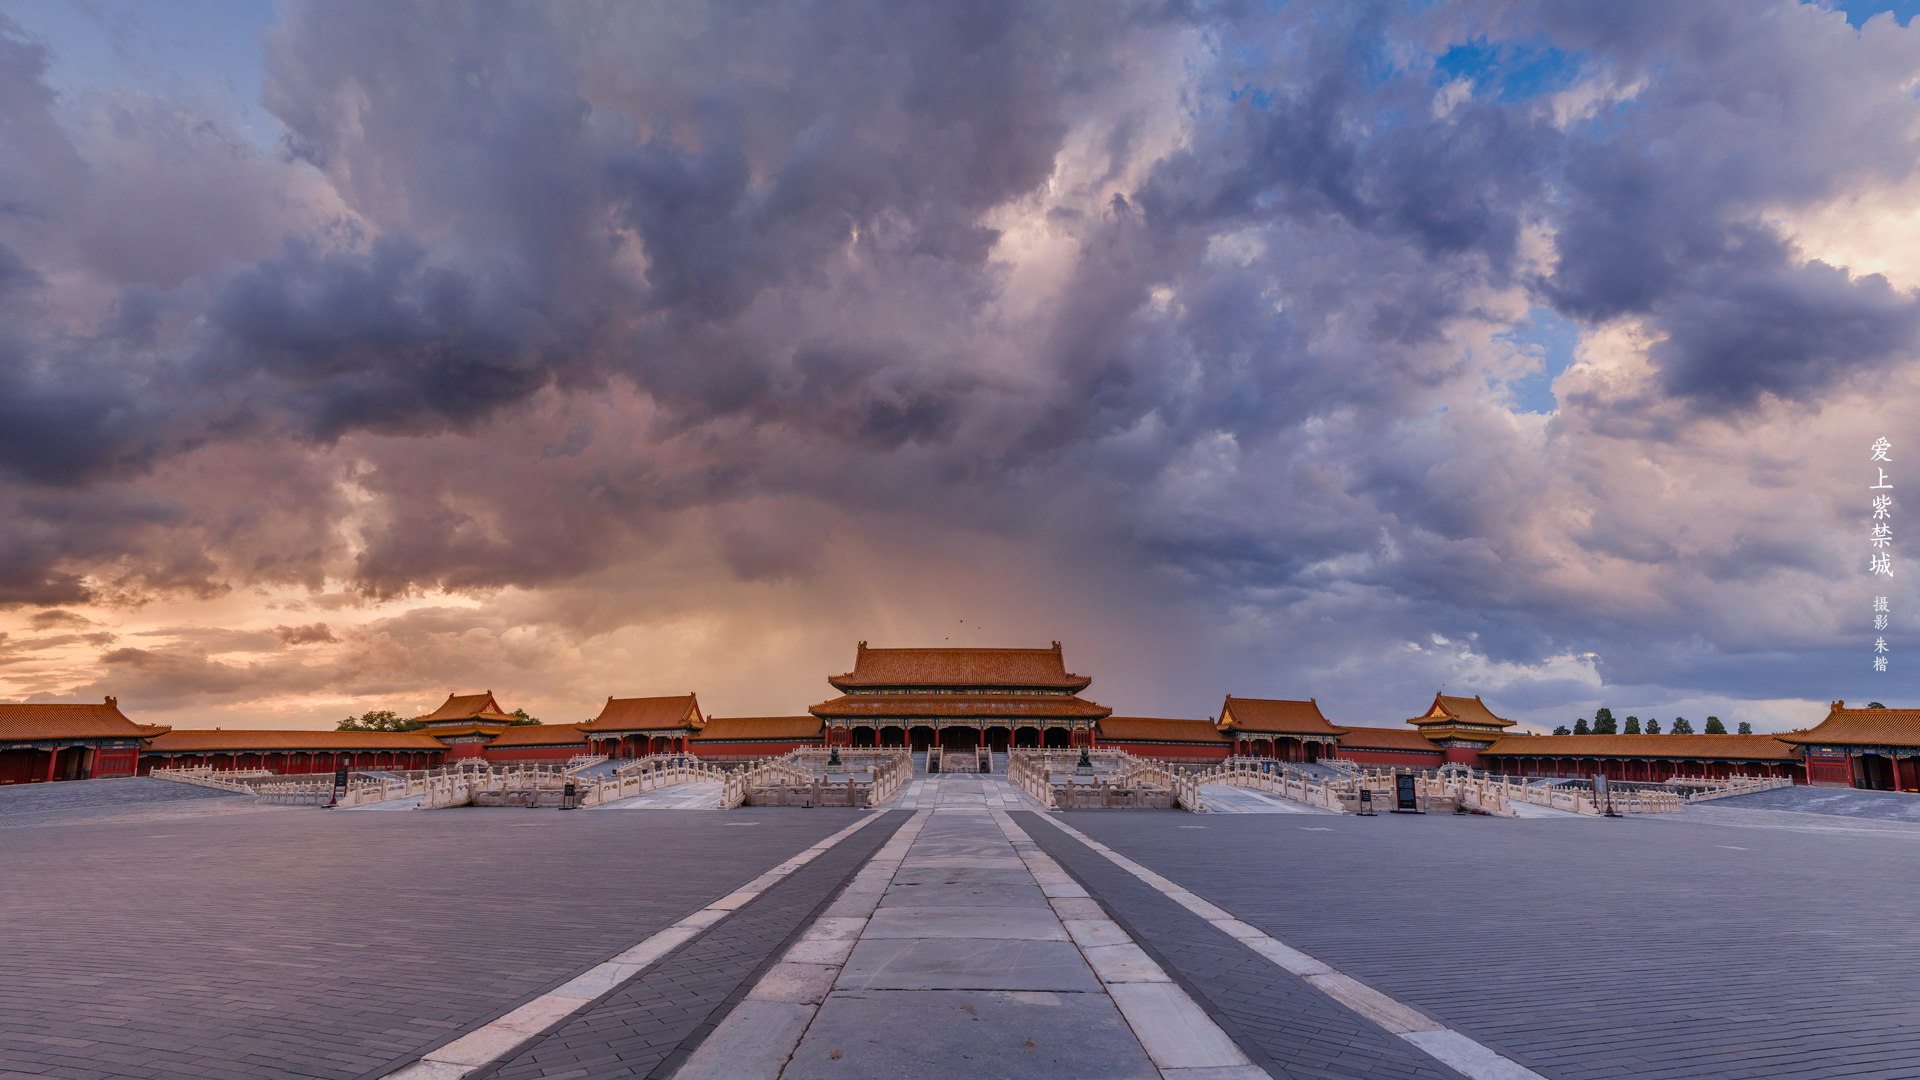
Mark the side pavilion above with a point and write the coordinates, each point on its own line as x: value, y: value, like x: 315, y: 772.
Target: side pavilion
x: 637, y: 726
x: 69, y: 742
x: 1275, y: 728
x: 292, y: 751
x: 1877, y: 749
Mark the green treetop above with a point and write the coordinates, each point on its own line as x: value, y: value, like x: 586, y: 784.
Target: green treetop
x: 524, y: 720
x: 1633, y: 725
x: 1681, y: 726
x: 1653, y: 727
x: 378, y: 720
x: 1715, y: 727
x: 1603, y: 723
x: 1580, y: 727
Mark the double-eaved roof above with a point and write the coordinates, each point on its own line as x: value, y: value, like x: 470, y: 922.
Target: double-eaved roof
x: 1862, y: 727
x: 1032, y: 668
x: 1462, y: 710
x: 40, y: 722
x: 461, y: 709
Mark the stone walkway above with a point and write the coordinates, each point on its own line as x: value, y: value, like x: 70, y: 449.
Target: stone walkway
x: 701, y: 796
x: 1228, y: 799
x: 958, y: 948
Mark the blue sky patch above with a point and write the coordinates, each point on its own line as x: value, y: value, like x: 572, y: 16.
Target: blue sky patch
x: 1859, y: 11
x: 1511, y: 72
x: 1553, y: 339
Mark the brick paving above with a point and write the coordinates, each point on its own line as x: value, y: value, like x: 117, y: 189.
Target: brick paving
x: 1292, y: 1030
x: 132, y: 798
x: 649, y: 1026
x: 313, y: 944
x: 1842, y: 802
x: 1645, y: 947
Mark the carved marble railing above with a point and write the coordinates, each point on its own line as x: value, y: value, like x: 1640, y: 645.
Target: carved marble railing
x: 1118, y: 780
x: 867, y: 778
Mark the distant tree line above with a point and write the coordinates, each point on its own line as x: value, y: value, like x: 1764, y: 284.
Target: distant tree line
x: 388, y: 720
x: 1604, y: 724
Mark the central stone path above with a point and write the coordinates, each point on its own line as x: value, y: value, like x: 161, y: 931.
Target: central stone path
x: 963, y: 949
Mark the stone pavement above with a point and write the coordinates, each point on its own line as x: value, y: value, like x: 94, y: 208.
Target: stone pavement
x: 1289, y: 1028
x: 315, y: 944
x: 979, y: 940
x: 648, y: 1026
x: 1661, y: 946
x: 1840, y: 802
x: 123, y: 799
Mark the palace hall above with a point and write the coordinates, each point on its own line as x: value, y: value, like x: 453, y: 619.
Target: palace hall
x: 962, y: 699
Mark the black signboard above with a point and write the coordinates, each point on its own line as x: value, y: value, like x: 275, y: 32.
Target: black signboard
x: 1403, y: 790
x: 339, y: 786
x: 1366, y: 802
x: 566, y: 801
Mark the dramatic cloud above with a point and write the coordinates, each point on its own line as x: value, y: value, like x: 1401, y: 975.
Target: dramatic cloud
x: 568, y: 350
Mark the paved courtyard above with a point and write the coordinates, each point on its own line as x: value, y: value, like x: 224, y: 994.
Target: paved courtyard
x: 957, y: 933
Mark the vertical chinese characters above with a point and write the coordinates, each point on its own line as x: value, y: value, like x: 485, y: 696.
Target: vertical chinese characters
x: 1880, y: 537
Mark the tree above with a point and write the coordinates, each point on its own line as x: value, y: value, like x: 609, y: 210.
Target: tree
x: 1653, y: 727
x: 524, y: 720
x: 1562, y: 730
x: 1580, y: 727
x: 1746, y: 728
x: 1603, y: 723
x: 1633, y: 725
x: 1715, y: 727
x: 1875, y: 705
x: 378, y: 720
x: 1681, y: 727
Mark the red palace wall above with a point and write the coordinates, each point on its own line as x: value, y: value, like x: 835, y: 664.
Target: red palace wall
x: 1642, y: 770
x: 22, y: 766
x: 115, y: 762
x: 295, y: 764
x: 1829, y: 770
x: 30, y: 766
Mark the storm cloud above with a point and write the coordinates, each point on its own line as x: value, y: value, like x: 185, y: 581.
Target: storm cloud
x: 1191, y: 334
